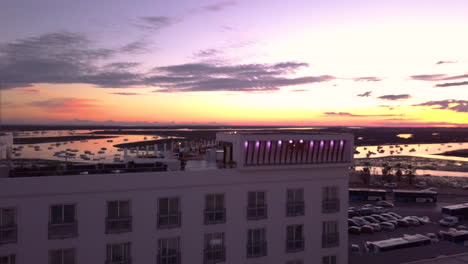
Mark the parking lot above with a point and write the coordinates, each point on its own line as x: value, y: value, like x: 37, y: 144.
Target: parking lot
x: 410, y: 254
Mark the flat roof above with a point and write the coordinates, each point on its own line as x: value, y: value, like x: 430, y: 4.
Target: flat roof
x: 414, y: 191
x: 399, y: 240
x: 367, y: 190
x: 456, y: 206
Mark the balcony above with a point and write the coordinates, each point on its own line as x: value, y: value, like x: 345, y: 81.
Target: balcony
x: 295, y: 209
x: 217, y: 216
x: 8, y: 234
x: 118, y: 225
x: 63, y: 230
x: 294, y: 245
x: 216, y: 255
x: 172, y: 220
x: 173, y: 258
x: 257, y: 212
x: 330, y: 206
x: 330, y: 240
x: 256, y: 250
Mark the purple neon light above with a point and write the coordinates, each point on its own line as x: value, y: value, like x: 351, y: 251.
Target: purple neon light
x: 321, y: 143
x: 268, y: 144
x: 311, y: 143
x: 290, y: 141
x: 257, y: 144
x: 246, y: 144
x: 341, y: 143
x: 331, y: 143
x: 279, y: 142
x: 301, y: 141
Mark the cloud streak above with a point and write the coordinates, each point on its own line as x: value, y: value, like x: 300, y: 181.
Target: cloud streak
x: 65, y: 104
x: 460, y: 106
x: 394, y: 97
x: 367, y: 79
x: 451, y: 84
x: 366, y: 94
x: 219, y: 6
x: 347, y: 114
x: 196, y: 77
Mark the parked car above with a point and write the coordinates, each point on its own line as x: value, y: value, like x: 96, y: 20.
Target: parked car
x: 361, y: 221
x: 379, y: 210
x: 385, y: 204
x: 387, y: 226
x: 433, y: 237
x: 354, y: 230
x: 371, y: 219
x: 379, y: 217
x: 365, y: 211
x: 367, y: 229
x: 351, y: 222
x: 352, y: 213
x: 391, y: 185
x: 449, y: 221
x: 389, y: 216
x: 355, y: 249
x: 412, y: 221
x: 402, y: 223
x: 462, y: 227
x: 432, y: 189
x: 420, y: 185
x: 376, y: 227
x: 397, y: 216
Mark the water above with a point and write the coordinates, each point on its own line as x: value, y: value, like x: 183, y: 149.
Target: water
x: 416, y: 150
x: 95, y: 145
x: 47, y: 150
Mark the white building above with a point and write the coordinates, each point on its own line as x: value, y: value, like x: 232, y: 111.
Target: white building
x: 284, y: 202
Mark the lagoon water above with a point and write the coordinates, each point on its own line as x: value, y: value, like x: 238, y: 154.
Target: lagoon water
x: 47, y: 150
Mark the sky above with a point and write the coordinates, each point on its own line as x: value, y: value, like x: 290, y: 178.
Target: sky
x: 263, y: 62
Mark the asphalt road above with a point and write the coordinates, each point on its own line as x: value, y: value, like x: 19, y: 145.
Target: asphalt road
x: 410, y: 254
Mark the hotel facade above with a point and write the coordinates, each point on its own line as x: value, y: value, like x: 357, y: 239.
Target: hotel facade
x: 273, y: 198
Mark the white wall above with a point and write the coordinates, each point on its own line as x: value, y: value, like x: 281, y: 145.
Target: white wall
x: 33, y: 196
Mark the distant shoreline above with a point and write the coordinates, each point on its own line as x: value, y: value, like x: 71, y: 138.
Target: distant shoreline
x: 38, y: 140
x: 456, y: 153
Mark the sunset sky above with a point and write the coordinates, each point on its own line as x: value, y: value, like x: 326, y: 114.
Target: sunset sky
x: 310, y: 62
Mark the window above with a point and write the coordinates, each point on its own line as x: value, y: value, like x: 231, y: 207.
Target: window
x: 169, y: 213
x: 295, y: 202
x: 295, y: 238
x: 329, y: 260
x: 330, y: 234
x: 169, y: 251
x: 62, y: 222
x: 215, y: 212
x: 256, y: 207
x: 9, y: 259
x: 214, y: 248
x: 118, y: 217
x: 118, y: 253
x: 256, y: 243
x: 8, y: 228
x: 62, y: 256
x: 330, y: 200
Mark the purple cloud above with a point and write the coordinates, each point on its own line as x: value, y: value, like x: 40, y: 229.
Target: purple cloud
x: 366, y: 94
x: 449, y: 104
x: 394, y: 97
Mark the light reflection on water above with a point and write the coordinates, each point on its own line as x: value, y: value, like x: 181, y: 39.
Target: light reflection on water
x: 95, y: 145
x: 417, y: 150
x: 47, y: 150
